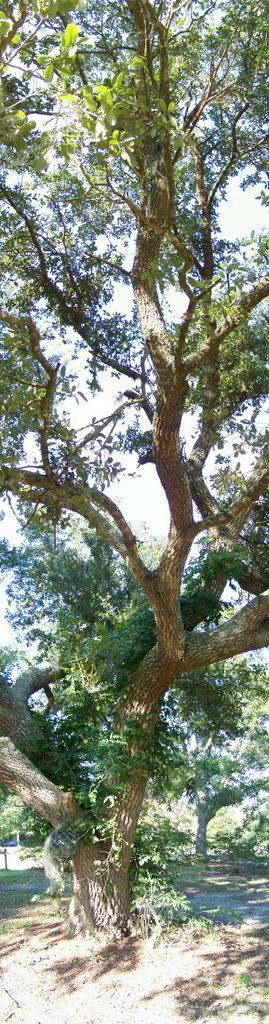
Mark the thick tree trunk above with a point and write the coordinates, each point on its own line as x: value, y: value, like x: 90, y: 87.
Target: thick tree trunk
x: 101, y: 870
x: 100, y: 899
x: 101, y: 894
x: 201, y: 834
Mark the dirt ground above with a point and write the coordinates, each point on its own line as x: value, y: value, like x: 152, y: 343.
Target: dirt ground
x: 46, y: 978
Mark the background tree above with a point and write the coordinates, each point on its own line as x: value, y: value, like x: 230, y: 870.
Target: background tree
x: 131, y: 129
x: 59, y: 592
x: 241, y: 833
x: 215, y: 741
x: 16, y: 819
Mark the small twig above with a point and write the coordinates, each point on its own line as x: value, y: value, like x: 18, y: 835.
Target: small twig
x: 23, y: 45
x: 101, y: 424
x: 12, y: 509
x: 31, y: 516
x: 109, y: 263
x: 11, y: 997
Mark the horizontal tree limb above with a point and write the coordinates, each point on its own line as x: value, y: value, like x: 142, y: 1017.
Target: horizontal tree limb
x: 20, y: 775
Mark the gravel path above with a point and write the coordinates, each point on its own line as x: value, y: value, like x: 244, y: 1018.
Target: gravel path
x: 222, y: 900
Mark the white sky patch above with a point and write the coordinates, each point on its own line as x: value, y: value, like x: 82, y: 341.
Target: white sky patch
x: 242, y: 212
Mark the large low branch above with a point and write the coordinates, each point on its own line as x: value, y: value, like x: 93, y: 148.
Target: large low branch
x: 17, y: 772
x: 251, y: 580
x: 86, y: 502
x: 34, y: 486
x: 35, y: 679
x: 247, y: 630
x: 17, y: 721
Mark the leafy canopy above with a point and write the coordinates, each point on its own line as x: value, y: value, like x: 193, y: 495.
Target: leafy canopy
x: 120, y: 136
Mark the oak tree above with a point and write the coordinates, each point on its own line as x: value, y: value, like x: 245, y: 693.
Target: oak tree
x: 125, y: 128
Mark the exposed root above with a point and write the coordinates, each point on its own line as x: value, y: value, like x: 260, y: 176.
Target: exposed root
x: 76, y: 918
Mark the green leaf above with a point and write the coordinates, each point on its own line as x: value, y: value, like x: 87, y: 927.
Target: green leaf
x: 49, y: 72
x: 70, y: 34
x: 192, y: 281
x: 138, y: 62
x: 119, y: 80
x: 5, y: 24
x: 68, y: 97
x: 89, y: 98
x: 53, y: 7
x: 105, y: 96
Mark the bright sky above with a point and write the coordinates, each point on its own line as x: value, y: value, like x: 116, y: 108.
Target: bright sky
x: 142, y: 499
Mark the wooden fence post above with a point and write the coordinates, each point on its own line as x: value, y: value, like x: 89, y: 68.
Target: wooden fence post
x: 4, y: 852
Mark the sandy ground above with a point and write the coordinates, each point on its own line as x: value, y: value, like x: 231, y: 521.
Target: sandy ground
x: 46, y: 978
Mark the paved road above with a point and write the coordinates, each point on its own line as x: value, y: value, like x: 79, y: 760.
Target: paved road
x: 221, y: 900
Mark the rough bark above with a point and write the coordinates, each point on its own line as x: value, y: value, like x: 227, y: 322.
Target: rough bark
x: 201, y: 834
x: 101, y: 870
x: 16, y: 720
x: 20, y: 775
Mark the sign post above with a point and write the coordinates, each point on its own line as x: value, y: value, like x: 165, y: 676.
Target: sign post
x: 4, y: 852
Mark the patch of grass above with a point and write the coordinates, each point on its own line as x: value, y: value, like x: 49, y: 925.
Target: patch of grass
x: 245, y: 980
x: 16, y: 925
x: 10, y: 901
x: 19, y: 911
x: 21, y: 876
x: 16, y: 889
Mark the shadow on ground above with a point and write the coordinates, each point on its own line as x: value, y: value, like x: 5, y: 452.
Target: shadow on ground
x: 231, y: 983
x: 116, y: 956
